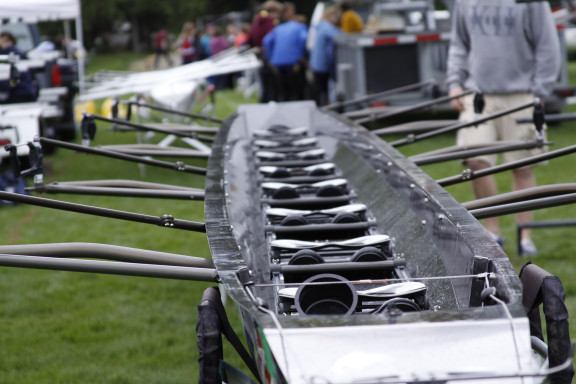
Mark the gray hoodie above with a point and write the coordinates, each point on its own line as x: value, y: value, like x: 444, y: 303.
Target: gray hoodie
x: 498, y: 46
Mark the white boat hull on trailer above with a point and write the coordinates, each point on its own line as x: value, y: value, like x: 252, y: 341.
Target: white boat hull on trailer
x: 120, y: 84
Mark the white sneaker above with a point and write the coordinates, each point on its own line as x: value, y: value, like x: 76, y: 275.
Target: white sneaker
x: 527, y: 248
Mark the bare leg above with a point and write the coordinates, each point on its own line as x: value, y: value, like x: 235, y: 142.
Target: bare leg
x: 524, y: 178
x: 485, y: 187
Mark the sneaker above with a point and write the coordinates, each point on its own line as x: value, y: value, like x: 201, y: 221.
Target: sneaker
x: 527, y: 248
x: 497, y: 238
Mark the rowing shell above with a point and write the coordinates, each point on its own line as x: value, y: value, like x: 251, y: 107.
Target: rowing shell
x: 435, y: 299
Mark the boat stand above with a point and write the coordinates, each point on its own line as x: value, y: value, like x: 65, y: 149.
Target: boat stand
x: 541, y: 288
x: 212, y: 323
x: 540, y: 224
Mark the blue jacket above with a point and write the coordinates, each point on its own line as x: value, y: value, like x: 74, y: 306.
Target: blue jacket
x: 286, y: 43
x: 205, y: 41
x: 323, y: 54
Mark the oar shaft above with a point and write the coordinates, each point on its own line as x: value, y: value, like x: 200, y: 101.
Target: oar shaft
x: 466, y: 154
x: 413, y: 108
x: 110, y: 268
x: 164, y: 221
x: 172, y: 111
x: 471, y: 175
x: 122, y: 183
x: 530, y: 205
x: 118, y: 155
x: 375, y: 96
x: 145, y: 127
x: 553, y: 118
x: 455, y: 127
x: 122, y: 192
x: 106, y: 252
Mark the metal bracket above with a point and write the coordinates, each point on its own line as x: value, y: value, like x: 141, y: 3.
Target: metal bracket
x: 167, y: 221
x: 539, y: 119
x: 35, y: 157
x: 479, y: 103
x: 88, y: 128
x: 180, y: 166
x: 245, y: 276
x: 467, y: 174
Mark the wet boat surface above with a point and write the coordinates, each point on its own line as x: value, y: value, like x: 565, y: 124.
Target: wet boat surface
x: 439, y: 243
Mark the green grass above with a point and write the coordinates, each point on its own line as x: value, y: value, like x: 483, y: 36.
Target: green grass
x: 112, y: 61
x: 61, y: 327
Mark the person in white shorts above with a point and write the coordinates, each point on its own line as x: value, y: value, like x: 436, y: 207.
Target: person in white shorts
x: 510, y: 52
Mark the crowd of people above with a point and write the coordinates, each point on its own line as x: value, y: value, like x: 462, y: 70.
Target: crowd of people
x: 297, y: 65
x: 294, y: 66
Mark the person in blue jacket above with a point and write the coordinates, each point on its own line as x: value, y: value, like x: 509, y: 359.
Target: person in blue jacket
x: 285, y: 50
x: 24, y: 88
x: 205, y: 41
x: 323, y: 54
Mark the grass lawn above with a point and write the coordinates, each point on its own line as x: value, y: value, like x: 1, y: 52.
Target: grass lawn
x: 61, y: 327
x: 113, y: 61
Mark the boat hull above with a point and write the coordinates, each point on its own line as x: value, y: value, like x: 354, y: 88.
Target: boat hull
x: 441, y: 243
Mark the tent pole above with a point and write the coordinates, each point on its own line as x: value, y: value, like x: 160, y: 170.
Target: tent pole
x: 81, y: 51
x: 68, y: 37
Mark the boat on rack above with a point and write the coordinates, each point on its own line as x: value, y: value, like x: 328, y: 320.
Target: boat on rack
x: 349, y: 264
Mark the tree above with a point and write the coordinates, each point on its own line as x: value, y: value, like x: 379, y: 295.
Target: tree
x: 145, y: 16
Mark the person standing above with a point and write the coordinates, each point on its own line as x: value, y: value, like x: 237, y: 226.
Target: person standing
x: 162, y: 47
x: 242, y: 37
x: 219, y: 43
x: 264, y: 22
x: 350, y: 22
x: 187, y: 43
x: 323, y: 54
x: 25, y: 88
x: 231, y: 33
x: 510, y: 52
x: 205, y: 41
x: 289, y: 11
x: 285, y: 49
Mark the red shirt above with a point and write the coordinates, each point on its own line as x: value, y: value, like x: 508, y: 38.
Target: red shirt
x: 260, y: 28
x: 160, y: 39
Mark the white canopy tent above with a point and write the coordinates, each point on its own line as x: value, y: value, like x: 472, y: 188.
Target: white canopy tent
x: 32, y: 11
x: 39, y: 10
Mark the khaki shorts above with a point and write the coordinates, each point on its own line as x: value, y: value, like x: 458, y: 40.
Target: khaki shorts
x: 504, y: 128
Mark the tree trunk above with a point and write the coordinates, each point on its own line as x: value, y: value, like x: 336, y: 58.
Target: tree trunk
x: 136, y: 43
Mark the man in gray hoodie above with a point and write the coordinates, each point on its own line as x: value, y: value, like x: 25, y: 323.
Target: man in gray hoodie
x: 510, y: 52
